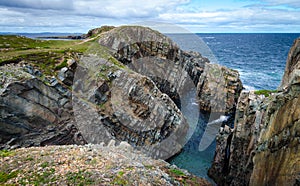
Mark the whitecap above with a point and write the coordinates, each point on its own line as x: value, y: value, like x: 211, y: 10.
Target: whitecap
x: 248, y: 87
x: 220, y: 120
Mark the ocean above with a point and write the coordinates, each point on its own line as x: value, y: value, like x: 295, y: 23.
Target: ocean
x: 260, y: 58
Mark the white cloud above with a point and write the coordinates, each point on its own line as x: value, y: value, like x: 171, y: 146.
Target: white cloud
x: 294, y: 3
x: 126, y: 8
x: 81, y: 15
x: 239, y: 18
x: 288, y: 3
x: 39, y: 4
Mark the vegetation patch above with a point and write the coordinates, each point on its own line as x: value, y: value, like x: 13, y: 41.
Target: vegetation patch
x: 44, y: 164
x: 6, y: 153
x: 40, y: 178
x: 183, y: 179
x: 266, y: 93
x: 177, y: 172
x: 18, y: 48
x: 119, y: 180
x: 62, y: 65
x: 79, y: 178
x: 4, y: 177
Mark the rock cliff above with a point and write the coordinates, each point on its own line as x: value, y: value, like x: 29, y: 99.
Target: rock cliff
x: 127, y: 86
x: 35, y: 111
x: 263, y: 148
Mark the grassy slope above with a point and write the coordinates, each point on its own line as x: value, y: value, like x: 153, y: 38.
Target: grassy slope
x: 46, y: 54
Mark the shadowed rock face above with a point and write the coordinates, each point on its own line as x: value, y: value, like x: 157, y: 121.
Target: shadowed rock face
x: 36, y: 114
x: 292, y: 65
x: 264, y: 147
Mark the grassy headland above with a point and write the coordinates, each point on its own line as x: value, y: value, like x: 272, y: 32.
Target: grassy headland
x: 48, y: 55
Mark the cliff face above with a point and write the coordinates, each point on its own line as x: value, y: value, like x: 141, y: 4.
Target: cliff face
x: 35, y: 111
x: 263, y: 148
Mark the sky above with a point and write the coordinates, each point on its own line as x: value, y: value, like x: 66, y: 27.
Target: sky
x: 197, y: 16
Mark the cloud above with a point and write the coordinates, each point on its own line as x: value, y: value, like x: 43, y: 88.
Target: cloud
x: 81, y: 15
x: 39, y: 4
x: 288, y: 3
x: 248, y: 16
x: 295, y: 3
x: 125, y: 8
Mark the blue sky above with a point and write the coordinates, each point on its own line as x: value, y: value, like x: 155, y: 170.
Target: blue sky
x: 198, y: 16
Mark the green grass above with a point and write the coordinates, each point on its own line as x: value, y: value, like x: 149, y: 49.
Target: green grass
x: 47, y: 55
x: 119, y: 180
x: 44, y: 164
x: 43, y: 178
x: 94, y: 32
x: 61, y: 65
x: 177, y: 172
x: 266, y: 93
x: 4, y: 177
x: 18, y: 48
x: 79, y: 178
x: 6, y: 153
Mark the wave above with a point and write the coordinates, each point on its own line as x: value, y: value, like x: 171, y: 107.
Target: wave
x: 220, y: 120
x: 248, y: 87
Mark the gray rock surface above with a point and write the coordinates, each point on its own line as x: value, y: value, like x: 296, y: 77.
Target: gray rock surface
x: 34, y: 113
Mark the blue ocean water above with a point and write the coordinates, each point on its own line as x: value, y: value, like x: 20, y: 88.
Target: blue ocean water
x: 260, y: 58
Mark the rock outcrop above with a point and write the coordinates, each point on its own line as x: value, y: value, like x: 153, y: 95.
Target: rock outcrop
x: 35, y: 112
x: 263, y: 148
